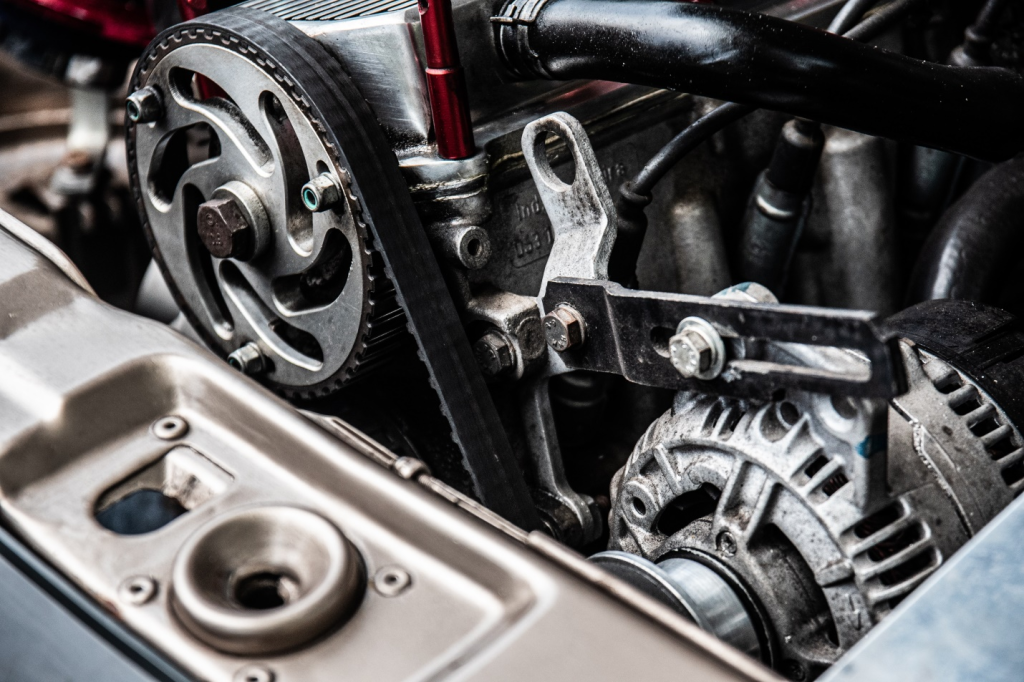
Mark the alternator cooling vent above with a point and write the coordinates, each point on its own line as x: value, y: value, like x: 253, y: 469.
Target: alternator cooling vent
x: 983, y: 417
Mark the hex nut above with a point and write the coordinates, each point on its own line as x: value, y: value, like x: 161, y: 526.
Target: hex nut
x: 494, y: 353
x: 144, y: 106
x: 321, y: 193
x: 224, y: 230
x: 248, y: 359
x: 564, y: 328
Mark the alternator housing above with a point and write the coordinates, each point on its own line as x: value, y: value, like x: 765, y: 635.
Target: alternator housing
x: 756, y: 492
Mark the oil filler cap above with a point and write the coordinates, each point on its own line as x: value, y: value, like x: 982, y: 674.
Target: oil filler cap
x: 263, y: 580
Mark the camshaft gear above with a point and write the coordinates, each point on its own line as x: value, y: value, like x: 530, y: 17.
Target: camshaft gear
x: 224, y: 162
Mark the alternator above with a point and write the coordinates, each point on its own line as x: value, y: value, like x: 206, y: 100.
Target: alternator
x: 756, y: 493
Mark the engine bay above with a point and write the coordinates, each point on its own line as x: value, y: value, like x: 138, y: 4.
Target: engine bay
x: 471, y: 339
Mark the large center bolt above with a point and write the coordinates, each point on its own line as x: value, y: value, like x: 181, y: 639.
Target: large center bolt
x: 234, y: 223
x: 224, y: 230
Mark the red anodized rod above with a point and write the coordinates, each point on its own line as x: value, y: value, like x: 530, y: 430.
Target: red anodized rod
x: 446, y: 84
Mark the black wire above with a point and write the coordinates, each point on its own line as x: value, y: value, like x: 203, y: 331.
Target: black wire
x: 685, y: 142
x: 700, y: 130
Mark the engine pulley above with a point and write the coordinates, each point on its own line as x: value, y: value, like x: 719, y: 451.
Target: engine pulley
x: 250, y: 205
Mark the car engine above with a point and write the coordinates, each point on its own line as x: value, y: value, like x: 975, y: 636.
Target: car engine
x: 484, y: 339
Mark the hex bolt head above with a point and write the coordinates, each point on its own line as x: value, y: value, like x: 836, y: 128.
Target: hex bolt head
x: 224, y: 230
x: 494, y: 353
x: 697, y: 350
x: 690, y: 353
x: 144, y: 106
x: 248, y: 359
x: 564, y: 328
x: 321, y: 193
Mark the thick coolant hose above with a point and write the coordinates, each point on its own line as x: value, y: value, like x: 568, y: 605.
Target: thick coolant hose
x: 970, y: 253
x: 769, y: 63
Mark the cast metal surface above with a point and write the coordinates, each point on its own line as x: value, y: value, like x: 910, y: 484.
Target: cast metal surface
x: 821, y: 512
x: 508, y: 597
x: 263, y: 580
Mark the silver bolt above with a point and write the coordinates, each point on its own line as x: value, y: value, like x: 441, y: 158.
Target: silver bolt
x: 138, y: 590
x: 321, y: 193
x: 170, y: 428
x: 697, y: 350
x: 494, y: 353
x: 391, y: 581
x: 564, y: 328
x: 248, y: 359
x: 254, y: 673
x: 144, y: 106
x: 691, y: 353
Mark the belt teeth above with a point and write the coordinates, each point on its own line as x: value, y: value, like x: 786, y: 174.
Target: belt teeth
x: 318, y: 10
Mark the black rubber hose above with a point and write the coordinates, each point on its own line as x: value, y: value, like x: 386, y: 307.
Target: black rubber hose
x: 882, y: 20
x: 849, y: 15
x: 770, y: 63
x: 969, y: 253
x: 709, y: 124
x: 975, y: 50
